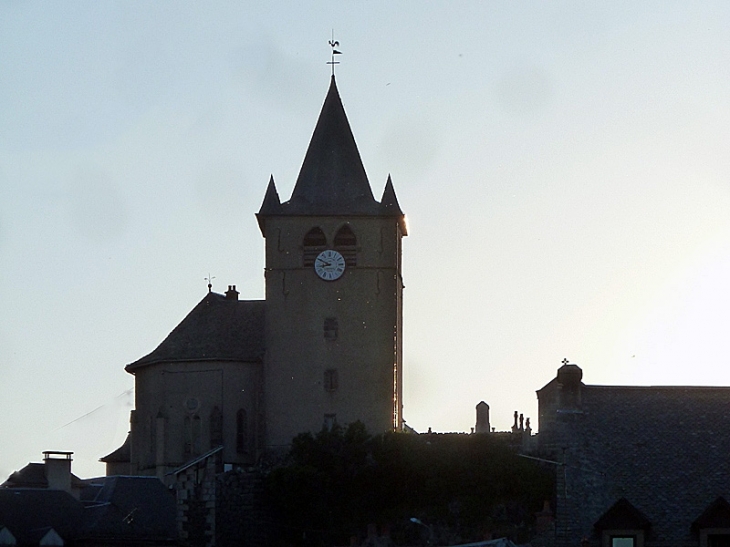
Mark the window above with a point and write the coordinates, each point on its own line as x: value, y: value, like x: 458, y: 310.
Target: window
x: 712, y: 525
x: 330, y: 379
x: 197, y: 448
x: 191, y: 440
x: 241, y: 431
x: 331, y: 328
x: 623, y: 525
x: 329, y: 421
x: 718, y: 540
x: 314, y: 243
x: 623, y: 538
x: 152, y: 423
x: 346, y: 244
x: 216, y: 427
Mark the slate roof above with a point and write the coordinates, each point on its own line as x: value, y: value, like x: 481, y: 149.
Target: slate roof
x: 332, y: 180
x: 131, y: 508
x: 123, y: 454
x: 218, y: 328
x: 33, y: 475
x: 663, y: 448
x: 127, y: 510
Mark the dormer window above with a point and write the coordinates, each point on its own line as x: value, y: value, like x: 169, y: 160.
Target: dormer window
x: 713, y: 525
x: 623, y: 525
x: 314, y: 243
x: 346, y: 244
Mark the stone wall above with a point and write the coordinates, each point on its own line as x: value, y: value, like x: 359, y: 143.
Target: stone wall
x: 196, y: 493
x: 221, y: 509
x: 241, y: 516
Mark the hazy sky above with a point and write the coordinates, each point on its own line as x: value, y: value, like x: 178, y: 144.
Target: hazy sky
x: 564, y: 167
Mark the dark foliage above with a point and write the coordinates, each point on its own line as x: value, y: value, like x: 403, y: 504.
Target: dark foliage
x: 335, y: 483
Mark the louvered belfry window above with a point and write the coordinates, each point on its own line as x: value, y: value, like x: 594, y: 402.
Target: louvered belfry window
x: 346, y: 244
x: 314, y: 243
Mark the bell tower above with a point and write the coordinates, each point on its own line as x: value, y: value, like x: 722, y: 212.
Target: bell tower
x: 334, y: 292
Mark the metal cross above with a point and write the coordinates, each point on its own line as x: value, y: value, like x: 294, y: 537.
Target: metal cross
x: 565, y: 361
x: 334, y: 44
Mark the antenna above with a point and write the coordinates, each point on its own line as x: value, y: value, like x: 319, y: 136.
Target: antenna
x: 334, y: 44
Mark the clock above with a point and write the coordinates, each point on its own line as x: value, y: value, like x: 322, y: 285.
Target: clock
x: 329, y: 265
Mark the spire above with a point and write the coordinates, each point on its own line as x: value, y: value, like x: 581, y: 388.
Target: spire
x: 389, y: 205
x: 389, y: 202
x: 332, y: 179
x: 271, y: 204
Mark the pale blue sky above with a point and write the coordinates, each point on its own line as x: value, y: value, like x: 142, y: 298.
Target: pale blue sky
x: 564, y: 167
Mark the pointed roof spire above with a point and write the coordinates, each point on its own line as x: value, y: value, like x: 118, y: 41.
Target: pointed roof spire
x: 389, y: 202
x: 389, y: 205
x: 271, y: 204
x: 332, y: 179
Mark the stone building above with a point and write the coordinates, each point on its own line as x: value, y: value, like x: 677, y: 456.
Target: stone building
x: 324, y: 347
x: 637, y: 466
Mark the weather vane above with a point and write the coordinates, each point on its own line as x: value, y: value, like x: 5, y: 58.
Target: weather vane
x: 334, y: 44
x: 209, y: 279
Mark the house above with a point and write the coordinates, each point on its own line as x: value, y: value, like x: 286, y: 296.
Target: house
x: 45, y: 504
x: 637, y: 465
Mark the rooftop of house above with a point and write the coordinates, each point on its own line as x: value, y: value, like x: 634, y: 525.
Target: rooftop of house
x: 662, y: 448
x: 130, y: 509
x: 33, y: 475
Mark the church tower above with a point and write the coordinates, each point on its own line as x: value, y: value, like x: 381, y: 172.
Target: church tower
x: 334, y: 292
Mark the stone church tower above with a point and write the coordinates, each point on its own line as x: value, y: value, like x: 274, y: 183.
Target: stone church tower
x: 334, y: 292
x: 239, y: 377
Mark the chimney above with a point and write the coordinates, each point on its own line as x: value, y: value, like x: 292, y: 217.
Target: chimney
x: 482, y: 425
x: 58, y: 470
x: 231, y: 293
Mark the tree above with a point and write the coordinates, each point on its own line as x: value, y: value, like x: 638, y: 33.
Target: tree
x: 333, y: 484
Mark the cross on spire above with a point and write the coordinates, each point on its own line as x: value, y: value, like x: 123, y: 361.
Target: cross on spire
x: 334, y: 44
x: 565, y: 361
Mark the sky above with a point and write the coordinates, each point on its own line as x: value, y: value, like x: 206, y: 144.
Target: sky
x: 563, y: 166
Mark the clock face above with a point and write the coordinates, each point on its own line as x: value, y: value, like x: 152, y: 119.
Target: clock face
x: 329, y: 265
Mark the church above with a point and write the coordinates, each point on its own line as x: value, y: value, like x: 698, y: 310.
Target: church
x: 243, y: 377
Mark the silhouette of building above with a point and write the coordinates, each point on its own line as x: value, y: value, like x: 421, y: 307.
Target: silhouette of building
x: 46, y: 504
x: 324, y: 347
x: 637, y: 466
